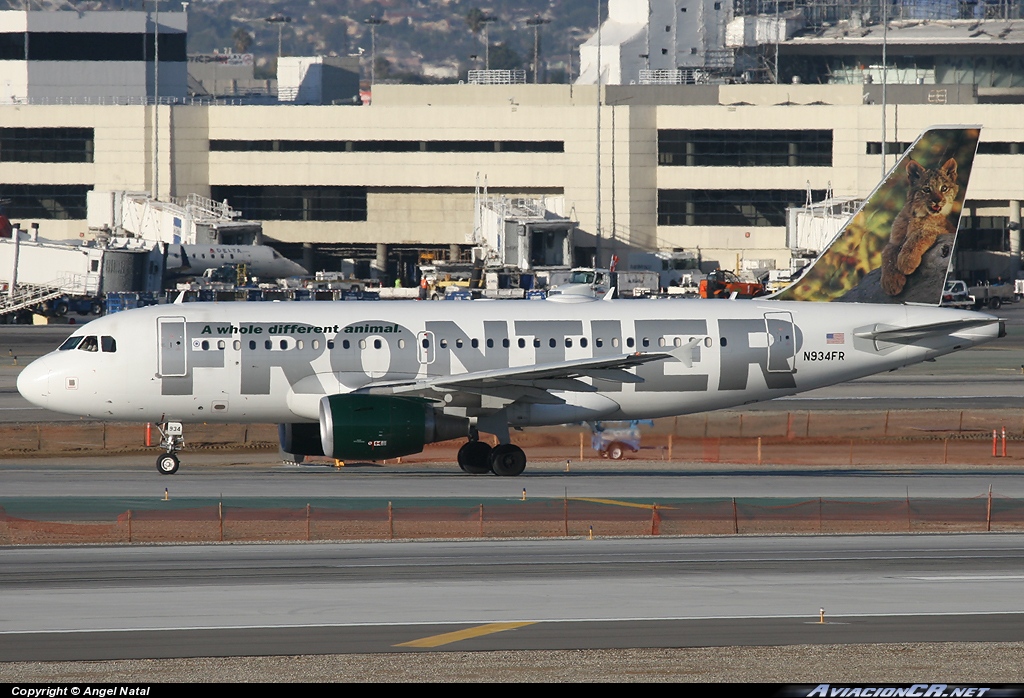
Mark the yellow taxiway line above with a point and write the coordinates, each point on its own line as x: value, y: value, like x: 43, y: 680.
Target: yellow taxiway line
x: 468, y: 633
x: 616, y: 502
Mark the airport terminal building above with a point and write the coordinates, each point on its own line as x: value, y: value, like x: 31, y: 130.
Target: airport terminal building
x: 699, y: 167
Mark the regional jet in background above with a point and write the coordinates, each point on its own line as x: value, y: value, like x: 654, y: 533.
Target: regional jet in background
x: 260, y: 260
x: 369, y: 381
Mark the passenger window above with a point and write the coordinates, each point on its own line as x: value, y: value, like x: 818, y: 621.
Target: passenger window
x: 536, y: 342
x: 490, y: 343
x: 330, y: 344
x: 345, y: 344
x: 376, y: 344
x: 220, y: 343
x: 89, y: 344
x: 583, y: 342
x: 629, y: 342
x: 237, y: 344
x: 444, y: 343
x: 475, y: 343
x: 458, y: 343
x: 362, y: 343
x: 205, y: 345
x: 69, y: 343
x: 267, y: 344
x: 568, y: 342
x: 646, y: 341
x: 284, y: 344
x: 615, y: 342
x: 598, y: 342
x: 522, y: 343
x: 505, y: 343
x: 252, y: 343
x: 426, y: 343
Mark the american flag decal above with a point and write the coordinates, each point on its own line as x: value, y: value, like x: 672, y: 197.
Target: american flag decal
x: 835, y: 338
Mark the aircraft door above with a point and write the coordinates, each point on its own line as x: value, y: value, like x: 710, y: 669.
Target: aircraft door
x: 781, y: 342
x: 171, y: 355
x: 425, y: 347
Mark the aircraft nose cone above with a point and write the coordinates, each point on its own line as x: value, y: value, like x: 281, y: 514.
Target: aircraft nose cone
x: 33, y: 382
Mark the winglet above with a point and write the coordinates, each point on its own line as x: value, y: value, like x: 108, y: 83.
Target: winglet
x: 898, y: 247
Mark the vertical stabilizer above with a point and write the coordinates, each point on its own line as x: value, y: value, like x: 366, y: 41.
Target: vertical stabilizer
x: 898, y: 246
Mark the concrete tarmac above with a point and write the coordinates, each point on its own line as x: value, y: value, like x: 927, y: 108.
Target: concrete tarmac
x: 124, y: 602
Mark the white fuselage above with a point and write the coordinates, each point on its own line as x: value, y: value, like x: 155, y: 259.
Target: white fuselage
x: 272, y: 362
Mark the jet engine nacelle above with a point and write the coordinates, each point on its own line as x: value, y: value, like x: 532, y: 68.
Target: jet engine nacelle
x: 300, y: 439
x: 374, y: 427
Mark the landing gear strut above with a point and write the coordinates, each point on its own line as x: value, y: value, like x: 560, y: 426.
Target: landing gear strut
x: 172, y: 440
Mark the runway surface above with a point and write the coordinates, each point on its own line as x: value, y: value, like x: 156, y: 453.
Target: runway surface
x: 100, y: 603
x: 212, y: 476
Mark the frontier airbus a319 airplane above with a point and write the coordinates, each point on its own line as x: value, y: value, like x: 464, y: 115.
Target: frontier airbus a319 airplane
x: 369, y: 381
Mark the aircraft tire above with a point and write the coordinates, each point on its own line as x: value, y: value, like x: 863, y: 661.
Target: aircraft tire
x: 167, y: 464
x: 616, y: 450
x: 507, y: 460
x: 475, y: 457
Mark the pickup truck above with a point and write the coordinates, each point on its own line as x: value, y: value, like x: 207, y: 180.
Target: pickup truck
x: 957, y: 294
x: 993, y: 295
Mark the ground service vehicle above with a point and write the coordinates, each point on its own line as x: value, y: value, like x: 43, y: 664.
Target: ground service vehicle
x: 723, y: 284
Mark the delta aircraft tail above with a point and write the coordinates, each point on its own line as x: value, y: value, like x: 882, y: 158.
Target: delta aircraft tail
x: 898, y: 246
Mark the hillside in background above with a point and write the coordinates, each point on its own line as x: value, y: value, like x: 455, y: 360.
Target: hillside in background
x: 421, y: 40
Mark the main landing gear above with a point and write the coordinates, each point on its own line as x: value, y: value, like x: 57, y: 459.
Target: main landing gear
x: 172, y: 440
x: 476, y: 458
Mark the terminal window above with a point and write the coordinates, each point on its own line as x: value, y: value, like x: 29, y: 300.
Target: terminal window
x: 295, y: 203
x: 729, y: 207
x: 45, y: 201
x: 46, y: 145
x: 327, y: 146
x: 744, y: 148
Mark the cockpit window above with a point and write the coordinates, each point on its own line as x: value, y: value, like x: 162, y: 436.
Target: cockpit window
x: 89, y: 344
x: 69, y: 343
x: 108, y: 344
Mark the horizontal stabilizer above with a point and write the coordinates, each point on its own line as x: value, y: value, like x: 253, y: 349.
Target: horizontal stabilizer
x: 909, y: 335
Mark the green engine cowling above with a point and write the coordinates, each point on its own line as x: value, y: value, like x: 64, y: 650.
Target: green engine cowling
x: 375, y: 427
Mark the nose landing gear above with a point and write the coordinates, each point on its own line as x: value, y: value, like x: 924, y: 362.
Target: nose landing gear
x: 172, y: 440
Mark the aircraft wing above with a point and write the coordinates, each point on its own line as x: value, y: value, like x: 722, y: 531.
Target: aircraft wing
x: 533, y: 383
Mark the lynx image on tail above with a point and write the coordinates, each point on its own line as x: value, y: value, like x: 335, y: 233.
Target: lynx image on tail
x: 923, y: 219
x: 898, y: 245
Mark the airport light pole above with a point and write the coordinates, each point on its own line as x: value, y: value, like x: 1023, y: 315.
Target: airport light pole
x: 484, y: 22
x: 280, y: 20
x: 373, y: 23
x: 536, y: 22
